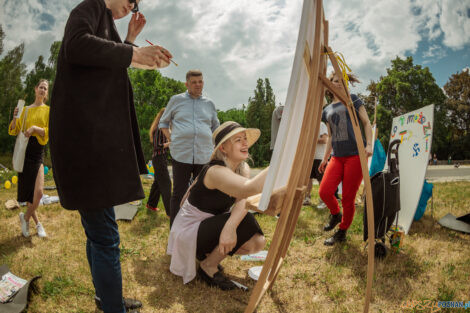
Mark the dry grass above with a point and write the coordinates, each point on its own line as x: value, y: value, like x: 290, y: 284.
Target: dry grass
x: 434, y: 264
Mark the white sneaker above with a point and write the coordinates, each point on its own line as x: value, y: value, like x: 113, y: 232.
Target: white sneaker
x: 24, y: 225
x: 41, y: 231
x: 321, y: 205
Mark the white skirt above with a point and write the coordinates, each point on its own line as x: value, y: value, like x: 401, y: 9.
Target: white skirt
x: 182, y: 243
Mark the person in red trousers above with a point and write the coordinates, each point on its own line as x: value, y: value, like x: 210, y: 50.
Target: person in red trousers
x: 344, y: 165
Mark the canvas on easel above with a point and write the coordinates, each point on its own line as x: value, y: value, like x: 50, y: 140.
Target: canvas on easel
x: 287, y: 178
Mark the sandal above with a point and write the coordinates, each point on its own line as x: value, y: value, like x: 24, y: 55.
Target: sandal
x: 219, y: 280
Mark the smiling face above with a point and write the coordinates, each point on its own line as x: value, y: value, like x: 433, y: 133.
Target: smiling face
x: 120, y: 8
x: 236, y: 148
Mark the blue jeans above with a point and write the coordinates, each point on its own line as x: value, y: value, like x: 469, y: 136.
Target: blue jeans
x: 102, y: 250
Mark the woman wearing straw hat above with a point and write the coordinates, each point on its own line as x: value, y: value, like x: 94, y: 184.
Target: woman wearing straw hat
x: 205, y: 227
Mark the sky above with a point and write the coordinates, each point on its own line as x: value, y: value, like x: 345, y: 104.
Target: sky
x: 236, y: 42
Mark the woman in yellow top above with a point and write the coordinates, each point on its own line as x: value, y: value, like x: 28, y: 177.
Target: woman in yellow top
x: 31, y: 180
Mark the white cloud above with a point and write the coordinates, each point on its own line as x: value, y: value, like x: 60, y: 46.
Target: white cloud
x: 236, y: 42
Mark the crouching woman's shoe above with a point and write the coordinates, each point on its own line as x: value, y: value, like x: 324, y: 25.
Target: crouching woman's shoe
x: 219, y: 280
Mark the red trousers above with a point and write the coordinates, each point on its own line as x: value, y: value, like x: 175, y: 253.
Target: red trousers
x: 348, y: 170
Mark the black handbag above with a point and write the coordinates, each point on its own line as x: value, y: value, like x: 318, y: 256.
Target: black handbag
x: 385, y: 194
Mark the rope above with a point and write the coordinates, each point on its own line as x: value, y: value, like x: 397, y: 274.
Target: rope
x: 345, y: 69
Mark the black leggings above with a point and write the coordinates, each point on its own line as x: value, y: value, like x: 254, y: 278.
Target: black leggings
x: 161, y: 184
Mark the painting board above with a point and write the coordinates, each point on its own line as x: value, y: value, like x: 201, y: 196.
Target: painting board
x: 287, y: 139
x: 414, y: 129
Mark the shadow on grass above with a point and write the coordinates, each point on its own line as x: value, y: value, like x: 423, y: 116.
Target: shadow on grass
x: 392, y: 274
x: 429, y: 228
x: 147, y: 220
x: 195, y: 296
x: 11, y: 245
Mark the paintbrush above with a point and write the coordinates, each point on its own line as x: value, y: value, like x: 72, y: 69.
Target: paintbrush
x: 162, y: 51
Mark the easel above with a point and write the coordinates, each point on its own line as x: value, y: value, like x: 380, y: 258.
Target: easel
x: 290, y: 198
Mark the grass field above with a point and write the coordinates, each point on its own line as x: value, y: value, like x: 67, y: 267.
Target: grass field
x: 434, y: 263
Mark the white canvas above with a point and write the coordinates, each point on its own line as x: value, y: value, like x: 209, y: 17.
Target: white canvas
x: 290, y: 127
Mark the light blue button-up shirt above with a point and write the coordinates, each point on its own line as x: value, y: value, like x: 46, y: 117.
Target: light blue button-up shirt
x: 192, y: 123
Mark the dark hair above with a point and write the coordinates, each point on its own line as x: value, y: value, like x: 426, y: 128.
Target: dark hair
x: 352, y: 79
x: 192, y: 73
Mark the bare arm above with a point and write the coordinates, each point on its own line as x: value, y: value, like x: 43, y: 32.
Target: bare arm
x: 328, y: 149
x: 13, y: 121
x: 225, y: 180
x: 323, y: 139
x: 228, y: 236
x: 166, y: 132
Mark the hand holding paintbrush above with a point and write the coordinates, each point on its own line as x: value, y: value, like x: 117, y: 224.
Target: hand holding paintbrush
x: 162, y: 51
x: 150, y: 57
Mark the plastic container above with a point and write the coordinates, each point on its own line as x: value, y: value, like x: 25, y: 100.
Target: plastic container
x: 20, y: 107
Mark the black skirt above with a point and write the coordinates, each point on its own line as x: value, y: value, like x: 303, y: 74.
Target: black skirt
x: 32, y: 161
x: 209, y: 233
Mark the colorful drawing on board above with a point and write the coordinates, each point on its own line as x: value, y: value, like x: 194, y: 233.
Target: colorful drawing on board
x: 395, y: 128
x: 416, y: 150
x: 411, y: 135
x: 426, y: 128
x: 402, y: 133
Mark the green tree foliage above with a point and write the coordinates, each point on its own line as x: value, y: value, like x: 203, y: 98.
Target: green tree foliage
x: 42, y: 70
x: 2, y: 36
x: 152, y: 91
x: 237, y: 115
x: 11, y: 89
x: 458, y: 110
x: 258, y: 115
x: 405, y: 88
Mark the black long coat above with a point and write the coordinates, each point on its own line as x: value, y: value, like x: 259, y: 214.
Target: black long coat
x: 94, y: 137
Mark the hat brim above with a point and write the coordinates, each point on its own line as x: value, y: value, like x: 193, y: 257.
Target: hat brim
x: 252, y: 135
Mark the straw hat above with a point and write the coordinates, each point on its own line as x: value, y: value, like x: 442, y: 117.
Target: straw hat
x: 230, y: 128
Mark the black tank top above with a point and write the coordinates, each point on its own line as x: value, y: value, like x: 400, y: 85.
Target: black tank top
x: 211, y: 201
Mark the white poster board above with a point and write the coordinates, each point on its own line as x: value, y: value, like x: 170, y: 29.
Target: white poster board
x: 289, y: 130
x: 414, y: 129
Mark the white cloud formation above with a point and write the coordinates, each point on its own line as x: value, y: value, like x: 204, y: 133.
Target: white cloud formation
x: 236, y: 42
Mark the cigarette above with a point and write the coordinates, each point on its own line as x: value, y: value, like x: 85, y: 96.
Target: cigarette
x: 162, y: 52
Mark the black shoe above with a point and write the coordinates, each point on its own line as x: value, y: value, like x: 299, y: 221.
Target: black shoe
x: 339, y: 236
x: 334, y: 220
x: 219, y: 280
x: 129, y: 304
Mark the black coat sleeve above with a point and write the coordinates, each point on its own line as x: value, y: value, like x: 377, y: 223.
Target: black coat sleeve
x: 84, y: 47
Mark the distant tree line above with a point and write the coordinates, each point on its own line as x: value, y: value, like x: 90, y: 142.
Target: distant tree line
x: 406, y: 87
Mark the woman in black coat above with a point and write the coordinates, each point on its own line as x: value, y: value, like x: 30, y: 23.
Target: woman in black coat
x: 94, y: 136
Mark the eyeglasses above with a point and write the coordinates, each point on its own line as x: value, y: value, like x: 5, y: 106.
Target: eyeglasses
x: 135, y: 9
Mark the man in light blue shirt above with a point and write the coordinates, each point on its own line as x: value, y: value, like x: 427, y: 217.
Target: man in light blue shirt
x: 193, y: 119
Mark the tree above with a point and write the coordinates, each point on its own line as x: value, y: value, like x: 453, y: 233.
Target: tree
x: 2, y: 36
x: 11, y: 89
x: 152, y: 91
x: 258, y: 115
x: 237, y: 115
x: 405, y: 88
x: 458, y: 110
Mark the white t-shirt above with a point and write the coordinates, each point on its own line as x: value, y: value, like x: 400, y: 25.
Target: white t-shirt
x: 321, y: 147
